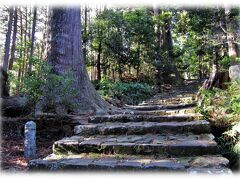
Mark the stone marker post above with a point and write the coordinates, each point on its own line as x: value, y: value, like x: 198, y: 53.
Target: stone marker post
x: 234, y: 72
x: 30, y: 140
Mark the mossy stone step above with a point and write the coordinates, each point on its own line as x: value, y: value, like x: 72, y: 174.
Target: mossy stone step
x: 184, y: 111
x: 138, y: 128
x: 160, y: 107
x: 169, y: 101
x: 113, y: 162
x: 139, y: 118
x: 149, y: 144
x: 174, y: 94
x: 165, y: 103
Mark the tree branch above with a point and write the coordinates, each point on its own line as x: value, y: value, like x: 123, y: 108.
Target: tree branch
x: 224, y: 30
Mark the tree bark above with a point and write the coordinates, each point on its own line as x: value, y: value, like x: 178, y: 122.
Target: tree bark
x: 105, y: 66
x: 158, y: 49
x: 217, y: 79
x: 138, y: 56
x: 14, y: 37
x: 44, y: 41
x: 99, y: 60
x: 8, y: 40
x: 200, y: 68
x: 85, y: 34
x: 20, y: 53
x: 32, y: 39
x: 25, y: 52
x: 66, y: 54
x: 168, y: 46
x: 4, y: 83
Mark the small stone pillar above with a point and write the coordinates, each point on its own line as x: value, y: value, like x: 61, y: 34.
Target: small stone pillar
x: 30, y: 140
x: 234, y: 72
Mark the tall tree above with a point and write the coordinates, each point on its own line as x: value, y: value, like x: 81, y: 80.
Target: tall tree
x: 14, y: 37
x: 158, y: 46
x: 32, y: 39
x: 25, y: 51
x: 21, y: 50
x: 8, y: 40
x: 65, y: 54
x: 167, y: 45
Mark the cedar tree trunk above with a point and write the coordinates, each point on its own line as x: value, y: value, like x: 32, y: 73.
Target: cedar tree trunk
x: 65, y: 53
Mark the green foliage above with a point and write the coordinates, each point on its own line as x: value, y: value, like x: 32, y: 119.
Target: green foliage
x: 233, y: 99
x: 129, y: 93
x: 126, y: 37
x: 229, y: 143
x: 32, y: 82
x: 205, y: 105
x: 225, y: 102
x: 56, y: 89
x: 223, y: 109
x: 226, y: 61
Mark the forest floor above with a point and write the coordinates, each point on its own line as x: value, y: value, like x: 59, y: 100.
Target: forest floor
x: 12, y: 149
x: 12, y: 153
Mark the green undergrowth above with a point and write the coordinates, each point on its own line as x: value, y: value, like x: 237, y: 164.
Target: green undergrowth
x: 222, y: 108
x: 56, y: 89
x: 126, y: 93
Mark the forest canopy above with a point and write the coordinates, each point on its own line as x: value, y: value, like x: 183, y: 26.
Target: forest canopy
x: 149, y: 46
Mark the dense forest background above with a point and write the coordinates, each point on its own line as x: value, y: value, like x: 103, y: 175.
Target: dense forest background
x: 130, y: 53
x: 145, y: 45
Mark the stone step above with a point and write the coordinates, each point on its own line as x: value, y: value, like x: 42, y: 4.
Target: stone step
x: 149, y: 144
x: 168, y: 101
x: 164, y: 102
x: 139, y: 118
x: 176, y: 94
x: 159, y: 107
x: 138, y: 128
x: 189, y: 111
x: 119, y: 162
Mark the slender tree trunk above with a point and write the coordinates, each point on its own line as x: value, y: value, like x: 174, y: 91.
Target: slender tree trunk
x: 44, y: 41
x: 129, y: 69
x: 200, y: 73
x: 95, y: 68
x: 14, y: 37
x: 21, y: 53
x: 32, y: 39
x: 105, y: 66
x: 99, y: 61
x: 158, y: 62
x: 120, y: 72
x: 28, y: 41
x: 139, y: 54
x: 113, y: 74
x: 25, y: 54
x: 85, y: 33
x: 66, y: 54
x: 211, y: 82
x: 158, y: 36
x: 8, y: 40
x: 168, y: 45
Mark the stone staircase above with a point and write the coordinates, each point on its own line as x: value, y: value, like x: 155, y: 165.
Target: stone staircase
x: 163, y: 134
